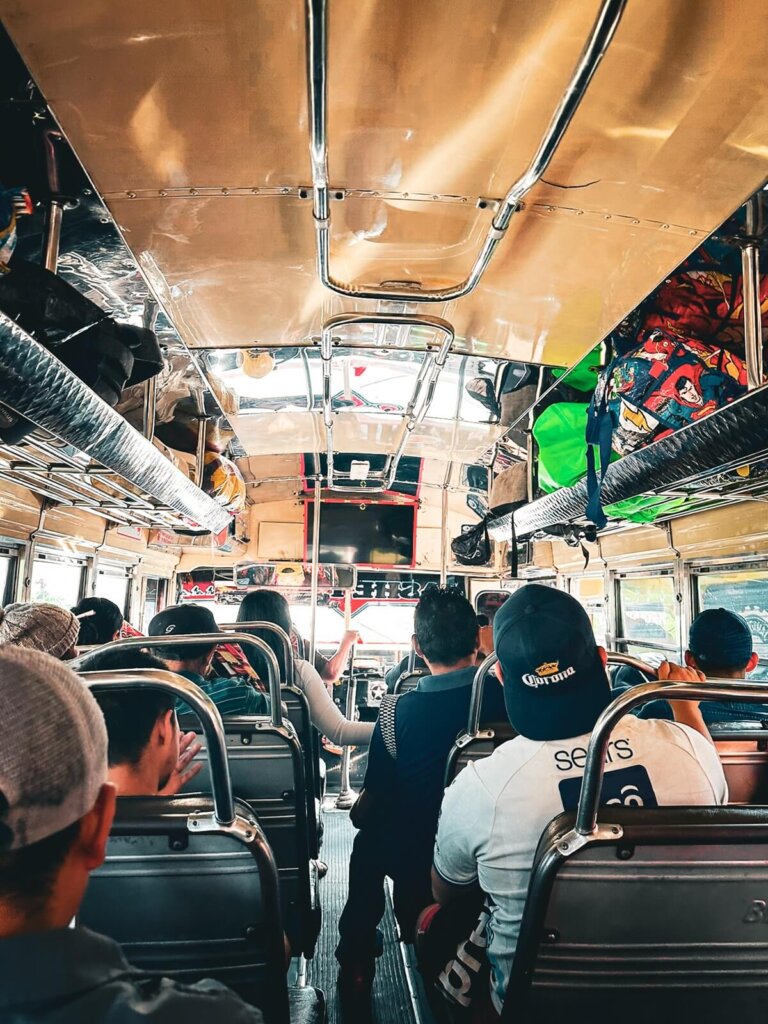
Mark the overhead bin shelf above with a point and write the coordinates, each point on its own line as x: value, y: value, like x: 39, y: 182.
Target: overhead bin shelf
x: 733, y: 437
x: 110, y: 453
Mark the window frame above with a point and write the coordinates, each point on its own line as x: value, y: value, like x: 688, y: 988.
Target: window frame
x: 620, y: 642
x: 117, y: 570
x: 52, y: 557
x: 709, y: 567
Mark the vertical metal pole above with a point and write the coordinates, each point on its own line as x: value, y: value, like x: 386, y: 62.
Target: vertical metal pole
x: 315, y: 571
x: 347, y: 795
x: 150, y: 386
x: 750, y: 272
x: 200, y: 452
x: 52, y: 237
x: 444, y: 538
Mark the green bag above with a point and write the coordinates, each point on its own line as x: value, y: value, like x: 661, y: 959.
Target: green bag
x: 559, y: 436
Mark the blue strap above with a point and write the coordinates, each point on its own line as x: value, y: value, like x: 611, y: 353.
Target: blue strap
x: 599, y: 435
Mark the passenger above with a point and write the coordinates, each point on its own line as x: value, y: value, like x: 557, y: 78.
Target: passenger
x: 233, y: 695
x: 394, y: 673
x: 719, y: 647
x: 40, y: 627
x: 148, y: 755
x: 56, y: 809
x: 270, y: 606
x: 100, y: 621
x: 398, y: 809
x: 494, y: 813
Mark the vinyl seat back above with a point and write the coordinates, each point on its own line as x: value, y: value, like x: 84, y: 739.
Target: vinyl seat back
x: 664, y: 918
x: 190, y: 903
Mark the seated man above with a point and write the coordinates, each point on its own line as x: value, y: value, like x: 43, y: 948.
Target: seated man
x: 56, y: 810
x: 148, y: 756
x: 40, y: 627
x: 719, y: 647
x: 232, y: 695
x: 397, y: 812
x: 555, y: 687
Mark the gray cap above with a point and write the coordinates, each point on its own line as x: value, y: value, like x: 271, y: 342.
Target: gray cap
x: 41, y: 627
x: 53, y: 747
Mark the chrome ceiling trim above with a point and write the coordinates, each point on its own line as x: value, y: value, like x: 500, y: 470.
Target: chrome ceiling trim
x: 418, y: 405
x: 36, y: 385
x: 602, y: 33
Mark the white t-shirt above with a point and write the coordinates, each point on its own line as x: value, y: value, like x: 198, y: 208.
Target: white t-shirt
x: 495, y: 811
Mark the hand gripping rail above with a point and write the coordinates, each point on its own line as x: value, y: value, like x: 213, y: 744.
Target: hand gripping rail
x: 204, y: 640
x: 203, y: 707
x: 713, y: 689
x: 594, y: 50
x: 421, y: 399
x: 272, y: 627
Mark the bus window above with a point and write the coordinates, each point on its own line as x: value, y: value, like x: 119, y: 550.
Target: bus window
x: 7, y: 575
x: 113, y: 583
x: 589, y: 591
x: 648, y: 616
x: 154, y: 599
x: 329, y: 624
x: 57, y: 581
x: 385, y: 623
x: 744, y: 591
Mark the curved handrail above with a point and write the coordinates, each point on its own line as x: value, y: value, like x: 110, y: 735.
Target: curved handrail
x: 416, y: 409
x: 594, y: 50
x: 272, y: 627
x: 203, y: 707
x: 712, y: 689
x: 207, y: 640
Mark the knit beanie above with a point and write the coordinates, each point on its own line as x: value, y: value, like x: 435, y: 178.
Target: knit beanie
x: 40, y: 627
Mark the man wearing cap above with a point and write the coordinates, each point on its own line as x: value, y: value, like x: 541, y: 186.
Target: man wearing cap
x: 56, y: 810
x: 719, y: 647
x: 555, y: 687
x: 40, y: 627
x: 233, y: 695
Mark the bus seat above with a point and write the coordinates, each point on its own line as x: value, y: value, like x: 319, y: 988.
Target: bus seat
x: 471, y: 748
x: 666, y: 921
x: 192, y: 905
x: 409, y: 680
x: 266, y: 765
x: 297, y: 707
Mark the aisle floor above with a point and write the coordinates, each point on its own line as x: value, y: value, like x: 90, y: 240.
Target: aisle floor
x: 391, y: 1001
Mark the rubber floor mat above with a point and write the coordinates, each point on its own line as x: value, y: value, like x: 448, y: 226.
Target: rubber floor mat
x: 391, y: 1000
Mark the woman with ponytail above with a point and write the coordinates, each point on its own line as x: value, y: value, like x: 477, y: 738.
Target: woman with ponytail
x: 100, y: 621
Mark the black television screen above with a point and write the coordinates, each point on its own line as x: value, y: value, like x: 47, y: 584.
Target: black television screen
x: 363, y: 534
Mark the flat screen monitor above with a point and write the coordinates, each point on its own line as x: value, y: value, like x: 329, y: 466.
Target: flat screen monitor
x: 363, y: 533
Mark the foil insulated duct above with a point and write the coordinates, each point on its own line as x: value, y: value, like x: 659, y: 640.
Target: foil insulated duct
x: 732, y: 437
x: 35, y: 384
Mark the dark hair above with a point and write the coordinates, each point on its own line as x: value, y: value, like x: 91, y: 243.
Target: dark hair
x: 101, y: 626
x: 131, y: 714
x: 27, y: 875
x: 265, y: 606
x: 445, y: 625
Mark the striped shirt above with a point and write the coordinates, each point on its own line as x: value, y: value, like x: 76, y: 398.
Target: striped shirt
x: 232, y: 695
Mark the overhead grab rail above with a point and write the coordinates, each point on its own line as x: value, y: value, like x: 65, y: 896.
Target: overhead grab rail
x: 420, y: 401
x: 594, y: 50
x: 203, y: 640
x: 272, y: 627
x: 203, y: 707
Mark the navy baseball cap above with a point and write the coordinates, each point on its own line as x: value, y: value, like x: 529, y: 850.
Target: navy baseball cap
x: 555, y: 685
x: 181, y: 619
x: 721, y: 639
